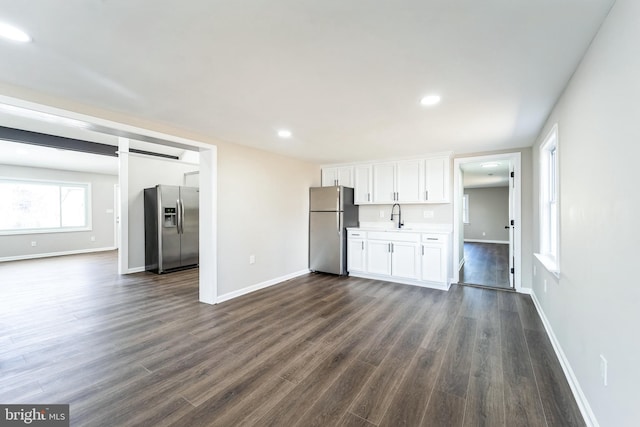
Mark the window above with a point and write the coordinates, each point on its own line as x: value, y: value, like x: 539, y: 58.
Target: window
x: 43, y: 206
x: 465, y: 209
x: 549, y: 202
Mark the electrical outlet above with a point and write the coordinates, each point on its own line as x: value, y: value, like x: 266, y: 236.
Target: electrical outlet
x: 603, y: 370
x: 427, y: 214
x: 252, y: 259
x: 545, y: 286
x: 93, y: 238
x: 34, y: 244
x: 484, y: 234
x: 382, y: 215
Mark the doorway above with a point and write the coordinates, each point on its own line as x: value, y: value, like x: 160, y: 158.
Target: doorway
x: 487, y: 221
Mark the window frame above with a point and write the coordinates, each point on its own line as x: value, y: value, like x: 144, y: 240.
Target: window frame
x: 465, y: 209
x: 549, y: 203
x: 61, y: 229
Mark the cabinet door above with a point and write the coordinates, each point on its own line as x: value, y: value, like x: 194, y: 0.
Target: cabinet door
x: 379, y: 257
x: 404, y: 260
x: 409, y: 181
x: 384, y: 183
x: 356, y: 255
x: 437, y: 180
x: 329, y: 177
x: 344, y: 175
x: 362, y: 184
x: 433, y: 263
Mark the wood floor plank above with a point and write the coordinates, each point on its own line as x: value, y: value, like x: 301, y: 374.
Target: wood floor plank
x: 315, y: 350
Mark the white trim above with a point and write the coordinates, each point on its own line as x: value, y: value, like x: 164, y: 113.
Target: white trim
x: 548, y: 263
x: 413, y: 282
x: 123, y: 182
x: 460, y: 264
x: 258, y: 286
x: 581, y: 399
x: 458, y: 190
x: 526, y: 291
x: 52, y: 254
x: 504, y: 242
x: 136, y: 270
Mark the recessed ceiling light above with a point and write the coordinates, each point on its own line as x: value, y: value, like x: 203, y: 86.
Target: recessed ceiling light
x: 12, y: 33
x: 490, y: 165
x: 430, y: 100
x: 284, y: 133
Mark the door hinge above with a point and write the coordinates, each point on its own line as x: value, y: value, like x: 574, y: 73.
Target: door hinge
x: 513, y: 174
x: 513, y: 270
x: 513, y: 222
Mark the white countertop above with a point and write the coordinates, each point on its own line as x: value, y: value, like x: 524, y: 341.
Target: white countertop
x: 408, y: 227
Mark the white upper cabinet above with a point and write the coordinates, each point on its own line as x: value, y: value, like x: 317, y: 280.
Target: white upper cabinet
x: 342, y: 175
x: 409, y: 181
x: 402, y: 181
x: 362, y: 185
x: 398, y: 182
x: 436, y: 184
x: 384, y: 186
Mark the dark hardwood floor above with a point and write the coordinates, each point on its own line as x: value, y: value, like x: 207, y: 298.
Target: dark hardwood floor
x: 486, y: 264
x: 318, y: 350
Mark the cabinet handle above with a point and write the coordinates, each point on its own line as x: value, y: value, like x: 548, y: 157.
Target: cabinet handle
x: 426, y: 195
x: 362, y: 245
x: 422, y: 250
x: 388, y: 247
x: 368, y: 197
x: 391, y: 247
x: 432, y: 238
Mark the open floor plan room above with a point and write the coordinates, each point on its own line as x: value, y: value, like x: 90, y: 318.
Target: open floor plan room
x: 316, y: 350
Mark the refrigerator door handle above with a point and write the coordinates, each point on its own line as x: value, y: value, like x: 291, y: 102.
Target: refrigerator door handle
x: 179, y: 212
x: 338, y: 221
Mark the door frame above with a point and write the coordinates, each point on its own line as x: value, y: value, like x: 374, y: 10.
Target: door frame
x: 516, y: 202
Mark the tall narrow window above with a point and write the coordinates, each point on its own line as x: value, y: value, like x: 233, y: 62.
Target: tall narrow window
x: 549, y: 202
x: 43, y: 206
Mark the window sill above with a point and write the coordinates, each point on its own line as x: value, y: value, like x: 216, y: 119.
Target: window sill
x: 549, y: 263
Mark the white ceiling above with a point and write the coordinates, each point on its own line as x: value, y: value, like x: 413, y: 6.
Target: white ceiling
x: 475, y: 175
x: 345, y: 77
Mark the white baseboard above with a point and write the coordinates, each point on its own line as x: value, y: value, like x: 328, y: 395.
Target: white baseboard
x: 423, y: 284
x: 52, y: 254
x: 581, y: 399
x: 135, y: 270
x: 258, y: 286
x: 503, y: 242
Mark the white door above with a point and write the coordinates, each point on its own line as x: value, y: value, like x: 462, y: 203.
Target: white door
x: 362, y: 185
x: 432, y: 262
x: 436, y: 180
x: 345, y: 176
x: 409, y: 181
x: 329, y: 177
x: 404, y: 260
x: 356, y: 255
x: 379, y: 257
x: 384, y: 183
x: 511, y: 226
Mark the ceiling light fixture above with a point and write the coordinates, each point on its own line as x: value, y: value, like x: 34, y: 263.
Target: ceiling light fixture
x: 12, y: 33
x: 430, y: 100
x: 284, y: 133
x: 490, y: 165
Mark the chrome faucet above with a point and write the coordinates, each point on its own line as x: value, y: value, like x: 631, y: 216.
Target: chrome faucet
x: 400, y: 223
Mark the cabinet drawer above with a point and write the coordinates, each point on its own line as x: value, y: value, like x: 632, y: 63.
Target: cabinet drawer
x: 434, y: 238
x: 357, y: 234
x: 394, y: 236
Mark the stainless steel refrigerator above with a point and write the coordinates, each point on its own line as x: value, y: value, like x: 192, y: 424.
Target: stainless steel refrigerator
x: 331, y: 210
x: 171, y: 228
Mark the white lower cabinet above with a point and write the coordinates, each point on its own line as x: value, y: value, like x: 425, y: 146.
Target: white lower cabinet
x: 356, y: 254
x: 399, y: 256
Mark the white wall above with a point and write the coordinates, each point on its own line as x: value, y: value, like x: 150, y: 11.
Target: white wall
x: 442, y: 213
x: 146, y: 172
x: 593, y: 307
x: 102, y: 201
x: 488, y: 214
x: 263, y: 210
